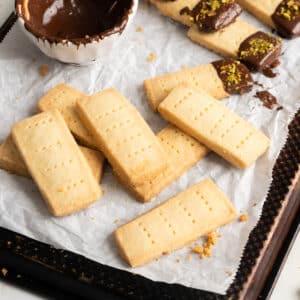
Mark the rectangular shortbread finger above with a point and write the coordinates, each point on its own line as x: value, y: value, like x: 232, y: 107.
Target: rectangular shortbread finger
x: 11, y: 160
x: 95, y: 160
x: 172, y: 9
x: 56, y: 163
x: 175, y: 223
x: 203, y: 76
x: 183, y: 152
x: 125, y: 138
x: 226, y: 41
x: 64, y: 98
x: 263, y: 10
x: 213, y: 124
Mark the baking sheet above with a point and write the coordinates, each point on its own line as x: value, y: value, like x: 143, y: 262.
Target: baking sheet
x: 90, y: 232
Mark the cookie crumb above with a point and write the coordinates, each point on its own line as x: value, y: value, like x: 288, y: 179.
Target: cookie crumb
x: 44, y: 70
x: 229, y: 274
x: 117, y: 221
x: 93, y: 218
x: 205, y: 250
x: 243, y: 218
x: 188, y: 257
x: 151, y: 57
x: 4, y: 271
x: 212, y: 238
x: 139, y: 29
x: 198, y: 249
x: 178, y: 260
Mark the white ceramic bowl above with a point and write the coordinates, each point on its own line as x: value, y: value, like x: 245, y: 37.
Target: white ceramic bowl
x: 83, y: 54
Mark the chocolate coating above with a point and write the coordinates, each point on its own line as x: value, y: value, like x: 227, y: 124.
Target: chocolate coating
x: 287, y: 18
x: 235, y: 76
x: 267, y: 99
x: 74, y: 20
x: 213, y: 15
x: 259, y: 51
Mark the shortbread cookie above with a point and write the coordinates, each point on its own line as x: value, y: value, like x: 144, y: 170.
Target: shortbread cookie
x: 241, y: 40
x: 11, y: 160
x: 263, y: 10
x: 219, y: 79
x: 183, y: 152
x: 175, y: 223
x: 282, y: 15
x: 95, y: 160
x: 56, y: 163
x: 213, y: 124
x: 172, y: 9
x: 209, y: 16
x: 123, y: 135
x: 64, y: 98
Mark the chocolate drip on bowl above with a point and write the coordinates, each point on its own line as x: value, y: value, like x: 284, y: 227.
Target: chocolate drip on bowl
x: 76, y: 21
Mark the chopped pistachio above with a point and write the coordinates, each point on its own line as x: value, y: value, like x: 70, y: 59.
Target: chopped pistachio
x: 233, y: 75
x: 258, y: 46
x: 289, y: 9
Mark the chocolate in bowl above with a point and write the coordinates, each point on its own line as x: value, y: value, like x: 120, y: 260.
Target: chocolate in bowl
x: 75, y: 23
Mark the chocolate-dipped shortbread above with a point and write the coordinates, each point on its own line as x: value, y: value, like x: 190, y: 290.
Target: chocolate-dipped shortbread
x: 240, y: 40
x: 282, y: 15
x: 220, y: 79
x: 213, y: 15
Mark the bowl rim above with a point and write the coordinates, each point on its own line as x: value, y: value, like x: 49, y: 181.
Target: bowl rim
x: 119, y: 27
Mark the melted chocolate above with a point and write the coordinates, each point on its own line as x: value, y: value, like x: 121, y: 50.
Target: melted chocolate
x: 267, y: 99
x: 276, y: 63
x: 260, y: 51
x: 268, y: 72
x: 75, y: 20
x: 235, y: 76
x: 213, y: 15
x: 258, y: 84
x: 287, y: 18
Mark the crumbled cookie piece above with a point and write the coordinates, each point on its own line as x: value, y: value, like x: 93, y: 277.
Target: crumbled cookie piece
x: 212, y: 238
x: 151, y: 57
x: 4, y: 271
x: 139, y: 29
x: 44, y: 71
x: 198, y: 249
x: 117, y: 221
x: 243, y: 218
x: 206, y: 250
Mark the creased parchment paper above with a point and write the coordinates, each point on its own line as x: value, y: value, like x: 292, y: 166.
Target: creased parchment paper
x: 90, y: 232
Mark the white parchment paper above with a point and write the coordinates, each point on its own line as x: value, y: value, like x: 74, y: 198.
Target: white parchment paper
x: 90, y: 232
